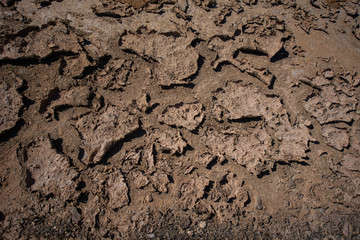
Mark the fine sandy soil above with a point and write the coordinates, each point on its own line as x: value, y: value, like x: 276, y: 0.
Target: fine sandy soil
x: 179, y: 119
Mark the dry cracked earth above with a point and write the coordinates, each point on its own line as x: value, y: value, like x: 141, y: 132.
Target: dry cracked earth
x: 179, y: 119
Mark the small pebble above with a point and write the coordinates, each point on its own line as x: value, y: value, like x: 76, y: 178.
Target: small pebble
x: 150, y: 236
x: 202, y: 224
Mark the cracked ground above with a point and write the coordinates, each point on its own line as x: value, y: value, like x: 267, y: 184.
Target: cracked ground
x: 179, y: 119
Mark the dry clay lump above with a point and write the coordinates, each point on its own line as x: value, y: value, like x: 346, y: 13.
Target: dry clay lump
x: 10, y: 105
x: 335, y: 137
x: 118, y: 191
x: 101, y: 131
x: 188, y: 116
x: 176, y: 61
x: 75, y: 97
x: 260, y: 35
x: 42, y: 44
x: 46, y: 170
x: 169, y: 140
x: 251, y: 148
x: 329, y: 106
x: 237, y: 102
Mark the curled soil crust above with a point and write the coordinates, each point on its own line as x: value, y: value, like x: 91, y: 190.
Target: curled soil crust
x: 179, y: 119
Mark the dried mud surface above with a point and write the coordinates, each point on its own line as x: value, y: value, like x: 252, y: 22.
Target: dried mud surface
x: 179, y: 119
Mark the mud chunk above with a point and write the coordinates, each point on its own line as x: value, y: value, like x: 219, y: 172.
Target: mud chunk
x: 330, y: 106
x: 226, y: 52
x: 351, y: 10
x: 75, y: 97
x: 236, y: 102
x: 316, y: 82
x: 115, y: 75
x: 206, y: 4
x: 294, y: 140
x: 101, y: 131
x: 328, y: 74
x: 355, y: 139
x: 69, y: 138
x: 42, y: 44
x: 118, y: 191
x: 176, y: 60
x: 249, y: 103
x: 229, y: 189
x: 48, y: 171
x: 250, y: 2
x: 74, y: 66
x: 261, y: 34
x: 206, y: 159
x: 193, y: 190
x: 249, y: 148
x: 10, y: 106
x: 335, y: 137
x: 160, y: 181
x: 140, y: 180
x: 348, y: 165
x: 351, y: 163
x: 116, y: 9
x: 149, y: 158
x: 188, y: 115
x: 169, y: 140
x: 143, y: 103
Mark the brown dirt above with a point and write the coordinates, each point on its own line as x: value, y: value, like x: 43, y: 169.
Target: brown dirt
x: 187, y: 119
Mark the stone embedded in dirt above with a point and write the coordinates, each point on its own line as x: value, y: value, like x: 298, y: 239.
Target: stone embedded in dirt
x: 42, y: 44
x: 169, y: 140
x: 48, y: 171
x: 75, y: 215
x: 101, y: 131
x: 176, y: 61
x: 160, y: 181
x: 329, y: 106
x: 118, y: 191
x: 115, y: 75
x: 335, y: 137
x: 139, y: 179
x: 10, y: 105
x: 251, y: 148
x: 187, y: 115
